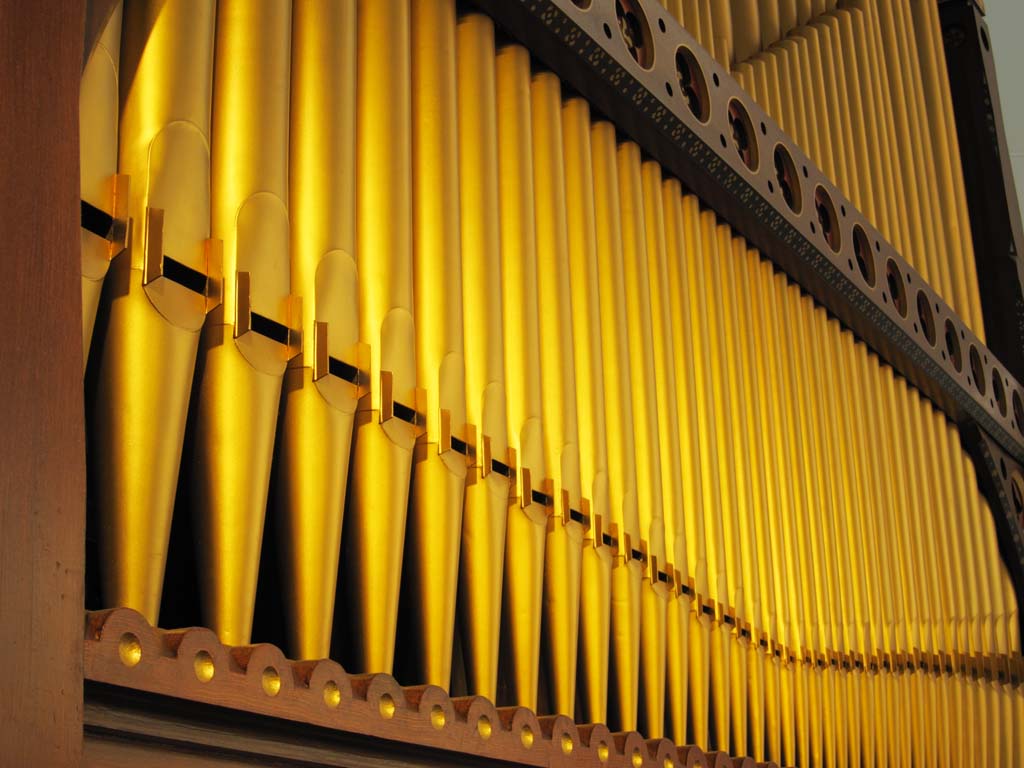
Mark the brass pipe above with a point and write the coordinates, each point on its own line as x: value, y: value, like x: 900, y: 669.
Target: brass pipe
x: 525, y: 537
x: 98, y: 114
x: 317, y: 409
x: 151, y: 325
x: 596, y: 580
x: 239, y: 374
x: 680, y: 216
x: 375, y: 515
x: 487, y: 491
x: 565, y: 531
x: 434, y: 524
x: 654, y: 594
x: 626, y: 576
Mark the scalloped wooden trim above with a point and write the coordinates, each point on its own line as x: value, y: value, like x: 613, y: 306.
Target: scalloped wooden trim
x: 122, y: 649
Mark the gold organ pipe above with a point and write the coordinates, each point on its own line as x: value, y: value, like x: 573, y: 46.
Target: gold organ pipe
x: 487, y: 491
x: 240, y: 373
x: 746, y: 601
x: 786, y: 446
x: 433, y: 528
x: 151, y: 328
x: 683, y: 617
x: 703, y: 519
x: 527, y: 519
x: 756, y: 538
x: 721, y: 32
x: 375, y: 516
x: 666, y: 391
x: 622, y: 489
x: 711, y: 634
x: 564, y: 547
x: 654, y: 595
x: 691, y: 20
x: 597, y: 563
x: 708, y: 511
x: 771, y: 560
x: 318, y: 410
x: 98, y: 112
x: 951, y: 188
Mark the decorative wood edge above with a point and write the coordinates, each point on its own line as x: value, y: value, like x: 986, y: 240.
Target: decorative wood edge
x: 122, y: 649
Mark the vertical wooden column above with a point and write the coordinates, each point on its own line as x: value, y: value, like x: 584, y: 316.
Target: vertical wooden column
x: 42, y: 469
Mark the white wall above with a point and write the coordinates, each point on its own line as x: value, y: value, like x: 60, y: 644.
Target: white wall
x: 1006, y: 25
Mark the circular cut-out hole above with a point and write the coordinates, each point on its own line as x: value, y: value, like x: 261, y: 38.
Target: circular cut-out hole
x: 607, y: 31
x: 582, y: 4
x: 894, y: 279
x: 1018, y: 410
x: 668, y: 88
x: 386, y: 706
x: 764, y: 129
x: 977, y: 371
x: 953, y: 346
x: 526, y: 736
x: 602, y: 752
x: 636, y: 34
x: 862, y: 252
x: 437, y: 717
x: 332, y: 694
x: 714, y: 79
x: 785, y: 175
x: 129, y: 649
x: 826, y: 211
x: 998, y: 391
x: 743, y: 137
x: 202, y: 665
x: 925, y: 316
x: 724, y: 141
x: 567, y: 744
x: 692, y: 83
x: 1017, y: 492
x: 271, y: 681
x: 661, y: 25
x: 483, y: 727
x: 637, y: 760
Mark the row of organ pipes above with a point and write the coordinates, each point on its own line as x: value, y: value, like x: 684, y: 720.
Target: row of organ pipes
x: 515, y: 403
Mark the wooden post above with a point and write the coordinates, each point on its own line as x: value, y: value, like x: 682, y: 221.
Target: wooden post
x: 42, y: 461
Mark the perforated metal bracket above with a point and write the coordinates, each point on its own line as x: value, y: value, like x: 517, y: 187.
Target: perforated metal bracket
x: 1001, y: 479
x: 682, y: 107
x: 988, y: 176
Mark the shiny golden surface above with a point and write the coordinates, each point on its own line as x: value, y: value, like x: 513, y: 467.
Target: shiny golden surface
x: 526, y: 533
x: 143, y: 368
x: 98, y: 120
x: 439, y: 473
x: 239, y: 376
x: 318, y: 411
x: 487, y: 492
x: 648, y: 479
x: 374, y: 534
